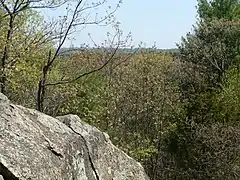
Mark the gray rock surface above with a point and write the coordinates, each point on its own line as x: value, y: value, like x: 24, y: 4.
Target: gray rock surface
x: 3, y: 99
x: 36, y: 146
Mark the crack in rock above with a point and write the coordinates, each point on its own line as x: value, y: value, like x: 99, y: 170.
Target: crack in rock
x: 6, y: 174
x: 89, y: 156
x: 55, y: 152
x: 52, y: 149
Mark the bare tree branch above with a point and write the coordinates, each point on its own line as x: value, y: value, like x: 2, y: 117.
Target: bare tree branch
x: 86, y: 73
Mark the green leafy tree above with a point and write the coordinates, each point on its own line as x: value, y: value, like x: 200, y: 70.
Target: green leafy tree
x: 17, y: 18
x: 143, y: 103
x: 218, y: 9
x: 227, y: 101
x: 211, y: 49
x: 23, y: 55
x: 204, y: 144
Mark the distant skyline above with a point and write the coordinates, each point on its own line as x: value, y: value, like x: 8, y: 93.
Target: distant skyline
x: 152, y: 22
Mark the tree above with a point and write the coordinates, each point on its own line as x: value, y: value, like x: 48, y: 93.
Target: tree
x: 211, y: 50
x: 203, y: 145
x: 16, y: 16
x: 110, y: 51
x: 142, y: 104
x: 53, y: 36
x: 227, y: 102
x: 218, y: 9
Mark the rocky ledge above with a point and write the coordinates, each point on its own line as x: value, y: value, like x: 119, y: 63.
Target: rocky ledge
x: 36, y: 146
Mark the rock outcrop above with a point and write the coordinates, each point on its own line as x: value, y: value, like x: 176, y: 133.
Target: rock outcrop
x: 36, y: 146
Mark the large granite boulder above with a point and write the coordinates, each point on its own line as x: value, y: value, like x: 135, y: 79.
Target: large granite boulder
x: 36, y: 146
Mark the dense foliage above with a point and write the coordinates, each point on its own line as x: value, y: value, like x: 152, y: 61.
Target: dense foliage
x: 218, y: 9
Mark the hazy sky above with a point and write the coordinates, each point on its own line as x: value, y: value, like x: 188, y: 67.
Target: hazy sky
x: 163, y: 21
x: 160, y: 21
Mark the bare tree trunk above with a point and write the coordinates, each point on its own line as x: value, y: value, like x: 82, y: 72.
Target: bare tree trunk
x: 42, y: 84
x: 5, y: 56
x: 41, y: 90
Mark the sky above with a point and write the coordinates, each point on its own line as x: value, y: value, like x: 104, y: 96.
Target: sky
x: 159, y: 22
